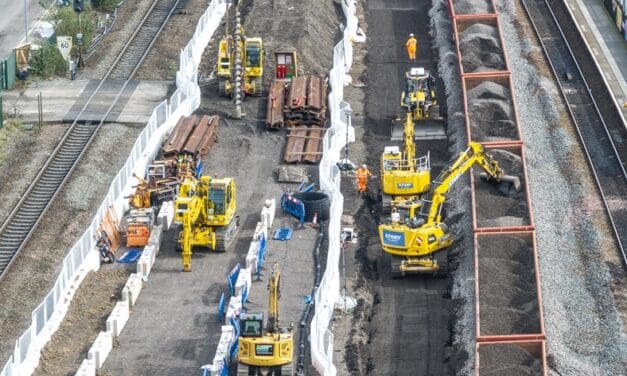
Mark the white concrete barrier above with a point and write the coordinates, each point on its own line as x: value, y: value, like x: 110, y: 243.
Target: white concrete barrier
x: 132, y: 288
x: 251, y: 262
x: 118, y: 318
x: 101, y: 348
x: 268, y: 211
x: 260, y: 229
x: 233, y: 310
x: 166, y: 215
x: 156, y: 235
x: 145, y: 262
x: 244, y: 282
x: 87, y: 368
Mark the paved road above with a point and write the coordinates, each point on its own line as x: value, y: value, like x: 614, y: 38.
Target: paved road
x: 12, y: 22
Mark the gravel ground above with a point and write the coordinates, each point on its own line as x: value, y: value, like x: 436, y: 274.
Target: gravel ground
x: 491, y: 113
x: 14, y: 141
x: 508, y: 302
x: 35, y: 269
x: 581, y: 274
x: 481, y: 49
x: 472, y: 6
x: 508, y: 360
x: 128, y: 18
x: 495, y: 209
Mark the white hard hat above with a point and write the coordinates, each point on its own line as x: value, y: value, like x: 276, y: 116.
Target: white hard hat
x: 411, y: 34
x: 364, y: 166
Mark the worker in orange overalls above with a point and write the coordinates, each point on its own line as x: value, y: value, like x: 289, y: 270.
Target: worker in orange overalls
x: 411, y: 47
x: 362, y: 178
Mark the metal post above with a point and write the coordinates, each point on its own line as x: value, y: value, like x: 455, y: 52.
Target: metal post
x: 40, y: 110
x: 26, y: 21
x: 79, y: 41
x: 1, y: 112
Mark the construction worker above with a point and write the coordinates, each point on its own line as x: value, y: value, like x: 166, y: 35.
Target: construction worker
x: 411, y: 47
x: 362, y: 178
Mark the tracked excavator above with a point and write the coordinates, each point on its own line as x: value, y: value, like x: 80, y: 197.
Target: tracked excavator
x: 251, y: 52
x: 415, y: 232
x: 420, y: 98
x: 205, y: 209
x: 266, y: 350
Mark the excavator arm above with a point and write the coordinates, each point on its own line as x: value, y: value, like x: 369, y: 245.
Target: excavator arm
x: 195, y: 212
x: 273, y: 300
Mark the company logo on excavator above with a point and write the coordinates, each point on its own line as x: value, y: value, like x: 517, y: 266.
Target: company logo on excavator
x: 405, y: 185
x: 394, y: 238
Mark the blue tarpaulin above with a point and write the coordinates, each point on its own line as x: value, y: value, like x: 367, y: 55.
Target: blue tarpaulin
x: 130, y: 256
x: 282, y: 234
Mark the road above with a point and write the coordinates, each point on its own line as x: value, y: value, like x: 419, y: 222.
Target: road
x: 12, y: 22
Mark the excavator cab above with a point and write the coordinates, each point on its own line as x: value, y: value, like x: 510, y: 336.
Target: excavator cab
x: 252, y: 64
x: 420, y: 98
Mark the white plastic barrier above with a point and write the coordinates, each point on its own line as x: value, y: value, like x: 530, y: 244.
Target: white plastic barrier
x: 243, y: 283
x: 267, y: 213
x: 101, y: 348
x: 233, y: 310
x: 261, y: 229
x: 145, y: 262
x: 154, y: 240
x: 166, y: 215
x: 118, y: 318
x: 334, y: 140
x: 132, y: 288
x: 87, y: 368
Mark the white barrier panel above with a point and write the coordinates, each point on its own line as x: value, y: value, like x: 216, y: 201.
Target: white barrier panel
x: 244, y: 282
x: 118, y: 318
x: 251, y: 261
x: 101, y: 348
x: 334, y: 140
x: 260, y: 229
x: 156, y: 234
x: 87, y: 368
x: 166, y: 215
x: 267, y: 213
x: 145, y: 262
x: 233, y: 310
x: 132, y: 288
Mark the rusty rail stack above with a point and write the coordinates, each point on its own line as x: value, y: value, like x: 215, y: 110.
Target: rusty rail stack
x: 192, y: 136
x: 509, y: 312
x: 300, y: 106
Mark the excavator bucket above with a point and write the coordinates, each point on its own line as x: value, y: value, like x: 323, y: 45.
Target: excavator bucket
x: 507, y: 184
x: 426, y: 129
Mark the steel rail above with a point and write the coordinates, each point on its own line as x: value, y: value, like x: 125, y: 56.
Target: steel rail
x: 594, y: 136
x: 35, y: 202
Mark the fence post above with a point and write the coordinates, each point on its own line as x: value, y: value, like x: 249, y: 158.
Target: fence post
x: 1, y: 112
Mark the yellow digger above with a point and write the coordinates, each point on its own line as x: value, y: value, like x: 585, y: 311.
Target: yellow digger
x: 420, y: 98
x: 252, y: 52
x: 415, y: 231
x: 269, y: 350
x: 205, y: 208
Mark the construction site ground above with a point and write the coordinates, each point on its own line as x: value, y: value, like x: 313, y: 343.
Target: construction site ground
x: 399, y: 327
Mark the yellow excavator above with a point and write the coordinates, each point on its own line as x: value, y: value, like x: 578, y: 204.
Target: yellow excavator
x: 420, y: 97
x: 415, y: 232
x: 269, y: 350
x: 252, y: 64
x: 205, y: 208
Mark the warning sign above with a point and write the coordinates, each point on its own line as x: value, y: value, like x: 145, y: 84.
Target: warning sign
x: 64, y: 44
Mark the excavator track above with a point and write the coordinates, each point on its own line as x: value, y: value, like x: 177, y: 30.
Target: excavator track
x: 226, y: 234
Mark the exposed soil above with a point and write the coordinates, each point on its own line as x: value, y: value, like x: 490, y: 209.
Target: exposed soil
x: 82, y: 323
x: 481, y: 49
x: 491, y: 113
x: 472, y: 6
x: 508, y: 360
x: 508, y: 300
x: 498, y: 209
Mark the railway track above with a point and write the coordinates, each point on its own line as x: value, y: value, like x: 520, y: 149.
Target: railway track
x: 23, y: 219
x: 598, y: 123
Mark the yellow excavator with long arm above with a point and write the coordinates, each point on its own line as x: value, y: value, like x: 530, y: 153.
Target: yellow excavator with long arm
x: 416, y: 231
x: 205, y: 208
x: 269, y: 351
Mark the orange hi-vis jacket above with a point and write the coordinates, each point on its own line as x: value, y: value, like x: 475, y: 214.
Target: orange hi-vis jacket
x: 411, y: 44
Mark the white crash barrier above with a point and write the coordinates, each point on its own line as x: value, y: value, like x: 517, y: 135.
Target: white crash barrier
x: 87, y: 368
x: 251, y: 256
x: 259, y: 230
x: 118, y: 318
x: 267, y: 213
x: 156, y: 235
x: 335, y: 139
x: 132, y: 288
x: 233, y: 310
x: 166, y: 215
x: 145, y: 262
x: 243, y: 283
x: 101, y: 348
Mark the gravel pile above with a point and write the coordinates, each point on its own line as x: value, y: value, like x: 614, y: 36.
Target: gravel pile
x: 472, y: 6
x: 461, y: 260
x: 494, y: 208
x: 585, y: 335
x: 481, y: 49
x: 508, y: 360
x: 508, y: 303
x: 491, y: 113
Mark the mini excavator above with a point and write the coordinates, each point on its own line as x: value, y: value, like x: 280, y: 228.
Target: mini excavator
x: 416, y: 232
x: 268, y: 352
x: 205, y: 208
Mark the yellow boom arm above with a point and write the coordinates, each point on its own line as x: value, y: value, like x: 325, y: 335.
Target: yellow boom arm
x: 273, y: 300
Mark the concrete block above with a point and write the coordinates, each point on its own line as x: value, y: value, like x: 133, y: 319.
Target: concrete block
x: 145, y: 262
x: 118, y: 318
x: 224, y: 345
x: 132, y: 288
x: 166, y: 215
x: 87, y: 368
x: 156, y: 236
x: 101, y: 348
x: 268, y: 211
x: 251, y: 262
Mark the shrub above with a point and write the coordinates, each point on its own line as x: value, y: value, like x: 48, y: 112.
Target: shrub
x: 65, y: 22
x: 105, y: 5
x: 47, y: 61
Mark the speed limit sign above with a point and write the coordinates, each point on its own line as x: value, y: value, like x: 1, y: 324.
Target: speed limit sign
x: 64, y: 44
